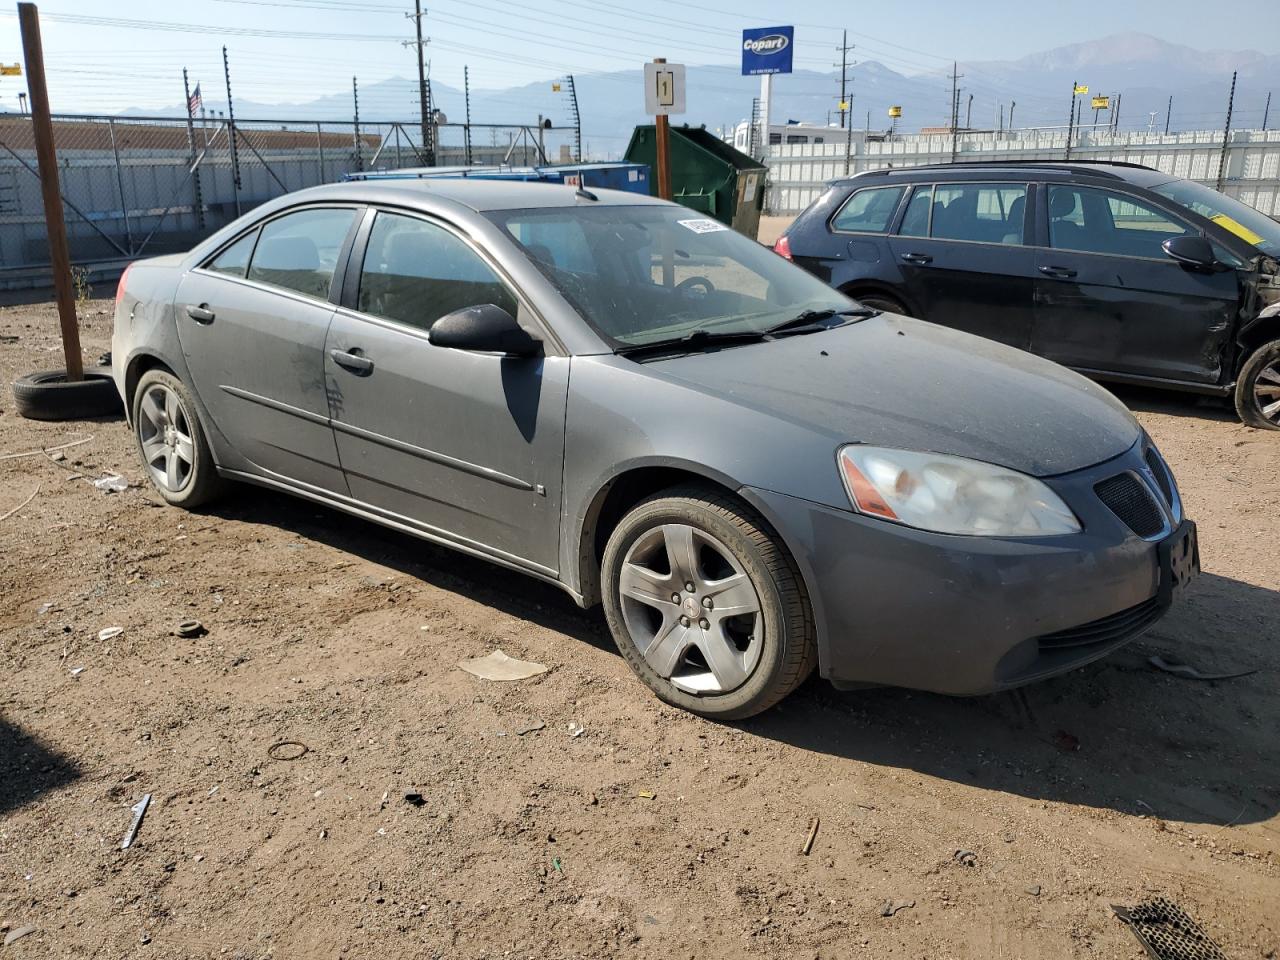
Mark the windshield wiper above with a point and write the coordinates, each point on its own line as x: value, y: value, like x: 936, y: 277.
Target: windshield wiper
x: 695, y: 339
x: 812, y: 318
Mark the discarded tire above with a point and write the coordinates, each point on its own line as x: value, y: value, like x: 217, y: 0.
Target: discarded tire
x: 47, y: 395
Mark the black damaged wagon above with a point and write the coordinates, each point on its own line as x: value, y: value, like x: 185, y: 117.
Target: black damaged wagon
x: 1116, y: 270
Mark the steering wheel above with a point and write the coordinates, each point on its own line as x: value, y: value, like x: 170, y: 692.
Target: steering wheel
x: 688, y: 285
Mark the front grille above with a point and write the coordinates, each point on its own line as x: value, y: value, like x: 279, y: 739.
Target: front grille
x: 1161, y: 473
x: 1118, y: 626
x: 1130, y: 500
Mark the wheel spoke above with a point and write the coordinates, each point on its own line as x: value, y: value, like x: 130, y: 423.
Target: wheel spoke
x: 173, y: 473
x: 723, y: 659
x: 666, y: 652
x: 185, y: 449
x: 681, y: 552
x: 171, y: 408
x: 733, y: 596
x: 1270, y: 375
x: 154, y: 450
x: 153, y: 410
x: 1271, y: 410
x: 641, y: 583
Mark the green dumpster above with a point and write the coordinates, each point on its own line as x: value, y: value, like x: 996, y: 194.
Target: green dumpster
x: 707, y: 175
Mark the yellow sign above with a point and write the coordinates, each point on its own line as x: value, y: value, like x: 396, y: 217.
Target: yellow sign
x: 895, y: 112
x: 843, y: 105
x: 1082, y: 88
x: 555, y: 88
x: 10, y: 69
x: 1238, y: 228
x: 1102, y: 103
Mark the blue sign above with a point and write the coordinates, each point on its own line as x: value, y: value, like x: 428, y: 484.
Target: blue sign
x: 767, y: 50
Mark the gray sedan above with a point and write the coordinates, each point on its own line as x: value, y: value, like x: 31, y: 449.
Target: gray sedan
x: 754, y: 474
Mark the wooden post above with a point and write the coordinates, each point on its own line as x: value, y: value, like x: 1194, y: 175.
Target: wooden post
x: 46, y: 157
x: 661, y: 130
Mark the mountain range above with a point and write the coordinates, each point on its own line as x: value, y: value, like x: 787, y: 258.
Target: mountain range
x: 1143, y: 70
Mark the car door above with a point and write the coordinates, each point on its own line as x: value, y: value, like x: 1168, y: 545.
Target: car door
x: 252, y: 321
x: 960, y: 247
x: 1108, y: 298
x: 466, y: 446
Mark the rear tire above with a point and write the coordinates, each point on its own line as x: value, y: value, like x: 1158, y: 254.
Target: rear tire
x: 738, y: 642
x: 1258, y: 388
x: 48, y: 395
x: 171, y: 441
x: 881, y: 301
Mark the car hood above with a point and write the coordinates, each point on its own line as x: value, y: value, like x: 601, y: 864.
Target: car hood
x: 895, y: 382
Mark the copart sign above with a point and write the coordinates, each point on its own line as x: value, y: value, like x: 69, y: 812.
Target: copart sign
x: 767, y: 50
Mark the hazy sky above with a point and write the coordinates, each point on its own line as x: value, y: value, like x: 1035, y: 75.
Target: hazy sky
x: 293, y: 50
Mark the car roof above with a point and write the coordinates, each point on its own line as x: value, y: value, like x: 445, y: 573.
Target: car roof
x: 1073, y: 170
x: 472, y: 192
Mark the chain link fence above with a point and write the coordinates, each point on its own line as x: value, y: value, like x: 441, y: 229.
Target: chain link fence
x: 139, y: 187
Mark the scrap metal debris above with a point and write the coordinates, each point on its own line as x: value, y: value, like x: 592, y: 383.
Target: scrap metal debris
x: 287, y: 750
x: 965, y: 858
x: 498, y: 666
x: 109, y: 633
x: 13, y: 936
x: 646, y: 794
x: 1167, y: 933
x: 893, y: 906
x: 1191, y: 673
x: 139, y: 811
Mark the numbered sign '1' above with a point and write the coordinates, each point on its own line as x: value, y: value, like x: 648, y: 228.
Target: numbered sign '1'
x: 663, y: 88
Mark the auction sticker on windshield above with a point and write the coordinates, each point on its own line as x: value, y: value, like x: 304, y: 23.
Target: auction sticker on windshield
x: 702, y: 225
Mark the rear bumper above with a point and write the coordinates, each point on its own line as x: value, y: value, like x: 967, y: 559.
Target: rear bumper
x: 968, y: 615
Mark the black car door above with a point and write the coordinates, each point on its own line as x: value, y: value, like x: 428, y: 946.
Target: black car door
x: 1109, y: 300
x: 964, y: 262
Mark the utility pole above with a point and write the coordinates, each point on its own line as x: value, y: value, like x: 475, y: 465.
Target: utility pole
x: 844, y: 49
x: 1115, y: 114
x: 955, y: 108
x: 466, y: 130
x: 231, y: 132
x: 1226, y: 133
x: 191, y: 148
x: 355, y: 130
x: 1168, y: 114
x: 47, y: 160
x: 1012, y: 104
x: 428, y: 148
x: 22, y: 101
x: 1266, y: 111
x: 1071, y: 121
x: 577, y: 120
x: 968, y: 114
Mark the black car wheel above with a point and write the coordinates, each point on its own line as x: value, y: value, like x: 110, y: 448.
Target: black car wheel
x: 1258, y: 388
x: 48, y: 395
x: 706, y: 605
x: 879, y: 301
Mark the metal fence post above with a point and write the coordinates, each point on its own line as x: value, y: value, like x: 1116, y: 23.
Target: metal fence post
x: 320, y: 152
x: 124, y: 205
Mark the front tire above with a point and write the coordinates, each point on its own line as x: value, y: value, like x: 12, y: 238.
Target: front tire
x: 881, y: 301
x: 706, y: 605
x: 172, y: 443
x: 1258, y: 388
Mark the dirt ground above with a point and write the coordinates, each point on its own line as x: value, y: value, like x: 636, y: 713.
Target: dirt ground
x: 653, y: 833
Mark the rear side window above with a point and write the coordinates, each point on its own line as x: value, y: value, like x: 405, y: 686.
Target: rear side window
x: 415, y: 272
x: 299, y: 251
x: 1101, y: 221
x: 979, y: 212
x: 915, y: 222
x: 234, y: 260
x: 868, y: 211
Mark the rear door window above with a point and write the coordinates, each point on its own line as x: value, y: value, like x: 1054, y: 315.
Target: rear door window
x: 979, y: 212
x: 868, y: 211
x: 415, y: 272
x: 1103, y: 221
x: 299, y: 251
x: 234, y: 260
x: 915, y: 222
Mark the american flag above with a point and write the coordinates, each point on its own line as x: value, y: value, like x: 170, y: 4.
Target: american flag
x: 194, y: 102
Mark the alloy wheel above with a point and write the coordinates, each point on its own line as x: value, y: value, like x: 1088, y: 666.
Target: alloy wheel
x: 164, y: 432
x: 691, y: 609
x: 1266, y: 391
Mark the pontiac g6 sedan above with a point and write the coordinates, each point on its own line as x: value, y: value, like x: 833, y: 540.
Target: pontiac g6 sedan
x: 753, y: 473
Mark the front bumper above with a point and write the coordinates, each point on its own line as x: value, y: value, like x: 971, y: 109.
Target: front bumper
x: 970, y: 615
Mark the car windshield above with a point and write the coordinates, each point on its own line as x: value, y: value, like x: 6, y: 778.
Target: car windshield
x: 647, y: 274
x: 1228, y: 212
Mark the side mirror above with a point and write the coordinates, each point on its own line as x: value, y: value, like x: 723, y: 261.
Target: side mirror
x: 484, y: 328
x: 1192, y: 251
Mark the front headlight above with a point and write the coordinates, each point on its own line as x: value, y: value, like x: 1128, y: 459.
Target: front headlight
x: 951, y: 494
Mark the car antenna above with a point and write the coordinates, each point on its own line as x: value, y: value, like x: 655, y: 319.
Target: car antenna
x: 584, y: 194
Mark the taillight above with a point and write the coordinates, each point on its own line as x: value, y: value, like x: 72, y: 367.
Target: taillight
x: 120, y: 285
x: 783, y: 247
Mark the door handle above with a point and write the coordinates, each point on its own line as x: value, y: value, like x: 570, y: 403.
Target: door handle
x: 201, y: 313
x: 1058, y: 273
x: 920, y: 259
x: 353, y: 360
